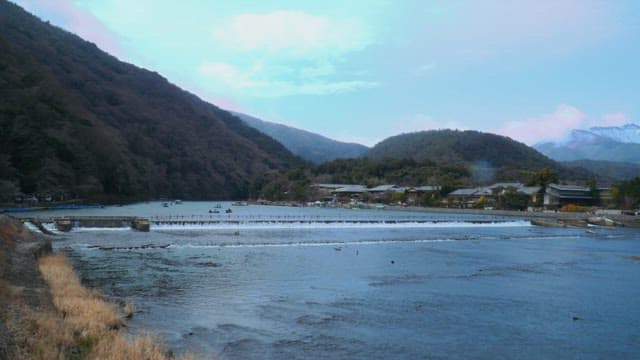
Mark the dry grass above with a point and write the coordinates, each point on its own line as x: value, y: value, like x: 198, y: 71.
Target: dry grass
x: 129, y: 309
x: 41, y: 335
x: 88, y: 314
x: 84, y: 327
x: 120, y: 348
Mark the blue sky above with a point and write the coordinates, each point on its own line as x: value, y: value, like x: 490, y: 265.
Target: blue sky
x: 365, y: 70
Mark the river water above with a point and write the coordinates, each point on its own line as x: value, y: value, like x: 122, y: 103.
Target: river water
x: 453, y: 287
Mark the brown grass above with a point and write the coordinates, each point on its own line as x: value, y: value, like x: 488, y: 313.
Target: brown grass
x: 84, y: 326
x: 129, y: 309
x: 146, y: 347
x: 41, y: 335
x: 85, y: 311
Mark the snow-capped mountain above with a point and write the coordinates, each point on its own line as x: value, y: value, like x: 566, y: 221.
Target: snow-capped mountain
x: 611, y: 143
x: 629, y: 133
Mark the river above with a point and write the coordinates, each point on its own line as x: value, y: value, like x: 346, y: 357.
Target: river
x: 428, y: 286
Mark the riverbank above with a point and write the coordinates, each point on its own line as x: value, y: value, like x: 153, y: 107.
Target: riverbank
x: 546, y: 217
x: 559, y: 216
x: 47, y: 314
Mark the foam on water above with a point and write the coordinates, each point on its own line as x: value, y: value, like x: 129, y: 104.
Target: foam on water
x: 303, y: 244
x: 32, y: 227
x: 92, y: 229
x: 51, y: 227
x: 339, y: 225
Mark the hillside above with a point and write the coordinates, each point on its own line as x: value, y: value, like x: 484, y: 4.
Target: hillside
x: 490, y: 156
x: 612, y: 169
x: 76, y: 122
x: 617, y: 144
x: 452, y: 146
x: 309, y: 146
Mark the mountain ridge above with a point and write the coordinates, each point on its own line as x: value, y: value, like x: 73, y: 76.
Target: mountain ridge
x: 611, y: 143
x: 484, y: 151
x: 78, y: 122
x: 306, y: 144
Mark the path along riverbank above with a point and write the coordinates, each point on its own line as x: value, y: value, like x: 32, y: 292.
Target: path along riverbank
x: 45, y: 313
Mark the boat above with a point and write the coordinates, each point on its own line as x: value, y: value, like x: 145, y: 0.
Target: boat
x: 165, y: 204
x: 177, y: 202
x: 228, y: 211
x: 218, y: 206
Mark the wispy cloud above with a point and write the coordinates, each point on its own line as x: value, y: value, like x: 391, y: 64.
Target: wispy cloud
x: 424, y: 69
x: 613, y: 119
x: 553, y: 126
x: 287, y: 52
x: 293, y: 34
x: 69, y: 16
x: 472, y: 29
x: 257, y: 81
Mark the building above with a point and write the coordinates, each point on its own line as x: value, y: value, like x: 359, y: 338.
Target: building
x: 413, y: 194
x: 466, y: 198
x: 557, y: 195
x: 349, y: 192
x: 469, y: 197
x: 383, y: 193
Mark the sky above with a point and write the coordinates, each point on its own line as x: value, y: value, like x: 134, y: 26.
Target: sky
x: 361, y: 71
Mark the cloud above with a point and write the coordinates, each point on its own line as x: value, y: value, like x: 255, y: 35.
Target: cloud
x: 552, y: 126
x: 259, y: 82
x: 424, y: 69
x: 482, y: 29
x: 66, y: 14
x: 293, y: 34
x: 287, y: 52
x: 613, y: 119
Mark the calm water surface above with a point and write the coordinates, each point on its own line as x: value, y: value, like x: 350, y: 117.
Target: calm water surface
x: 457, y: 289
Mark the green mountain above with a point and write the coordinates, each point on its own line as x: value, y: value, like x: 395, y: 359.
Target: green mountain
x: 309, y: 146
x: 490, y: 157
x: 76, y: 122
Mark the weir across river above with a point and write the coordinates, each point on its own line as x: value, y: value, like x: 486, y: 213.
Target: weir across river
x: 67, y: 223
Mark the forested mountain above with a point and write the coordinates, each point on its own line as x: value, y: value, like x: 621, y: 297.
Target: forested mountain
x: 448, y: 158
x: 309, y: 146
x: 490, y: 156
x: 617, y: 144
x: 455, y: 146
x: 77, y: 122
x: 612, y: 169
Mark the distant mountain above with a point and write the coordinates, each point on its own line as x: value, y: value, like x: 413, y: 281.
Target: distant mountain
x: 618, y: 144
x: 76, y: 122
x: 611, y: 169
x: 629, y: 133
x: 309, y: 146
x: 511, y: 159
